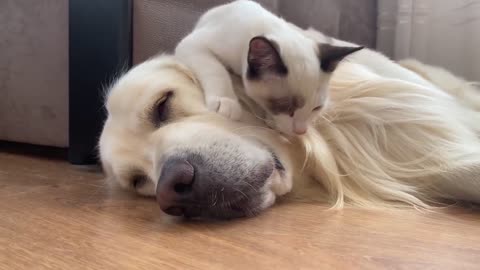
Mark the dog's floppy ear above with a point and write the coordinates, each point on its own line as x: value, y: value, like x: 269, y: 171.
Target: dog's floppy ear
x: 331, y: 55
x: 264, y: 58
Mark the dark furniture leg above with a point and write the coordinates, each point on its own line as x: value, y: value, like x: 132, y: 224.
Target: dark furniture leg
x: 100, y: 47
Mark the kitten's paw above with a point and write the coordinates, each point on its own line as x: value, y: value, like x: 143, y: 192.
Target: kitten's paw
x: 225, y: 106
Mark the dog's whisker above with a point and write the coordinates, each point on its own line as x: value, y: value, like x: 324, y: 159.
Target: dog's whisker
x: 243, y: 193
x: 250, y: 185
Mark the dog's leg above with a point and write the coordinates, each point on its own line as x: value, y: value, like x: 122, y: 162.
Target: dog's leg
x: 458, y: 184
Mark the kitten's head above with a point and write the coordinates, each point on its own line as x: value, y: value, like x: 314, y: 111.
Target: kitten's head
x: 290, y: 79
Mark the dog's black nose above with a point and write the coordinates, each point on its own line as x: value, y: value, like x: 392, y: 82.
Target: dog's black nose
x: 174, y: 185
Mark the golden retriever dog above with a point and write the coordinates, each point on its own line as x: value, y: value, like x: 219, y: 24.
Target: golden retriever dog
x: 381, y: 142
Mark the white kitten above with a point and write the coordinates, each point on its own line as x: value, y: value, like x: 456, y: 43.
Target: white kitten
x: 283, y: 71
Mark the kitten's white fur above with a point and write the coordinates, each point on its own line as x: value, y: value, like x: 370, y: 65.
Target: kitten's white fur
x: 220, y: 42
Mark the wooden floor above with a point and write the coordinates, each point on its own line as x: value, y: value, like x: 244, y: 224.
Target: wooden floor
x: 57, y: 216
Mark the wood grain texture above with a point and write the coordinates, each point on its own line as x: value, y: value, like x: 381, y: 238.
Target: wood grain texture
x: 57, y: 216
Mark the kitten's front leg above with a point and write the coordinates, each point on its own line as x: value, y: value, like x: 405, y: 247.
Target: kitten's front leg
x: 218, y: 89
x: 225, y: 106
x: 216, y: 82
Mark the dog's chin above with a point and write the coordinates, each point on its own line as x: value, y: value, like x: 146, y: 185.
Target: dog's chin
x: 239, y: 207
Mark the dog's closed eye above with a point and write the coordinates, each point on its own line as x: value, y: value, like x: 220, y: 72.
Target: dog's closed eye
x: 138, y: 180
x: 160, y: 109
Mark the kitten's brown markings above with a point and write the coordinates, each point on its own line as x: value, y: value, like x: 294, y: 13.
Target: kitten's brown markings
x: 285, y: 105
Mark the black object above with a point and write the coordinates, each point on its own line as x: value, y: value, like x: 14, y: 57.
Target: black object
x: 100, y: 42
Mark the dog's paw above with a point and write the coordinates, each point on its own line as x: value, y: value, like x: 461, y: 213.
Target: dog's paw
x: 225, y: 106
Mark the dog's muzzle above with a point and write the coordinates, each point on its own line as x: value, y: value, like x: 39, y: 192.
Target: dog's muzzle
x: 195, y: 185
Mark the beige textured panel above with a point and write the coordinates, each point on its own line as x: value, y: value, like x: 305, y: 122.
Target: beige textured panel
x: 358, y: 21
x: 323, y: 15
x: 34, y: 71
x: 158, y: 25
x: 352, y: 20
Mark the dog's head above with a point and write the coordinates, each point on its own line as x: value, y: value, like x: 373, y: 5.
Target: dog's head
x: 160, y: 140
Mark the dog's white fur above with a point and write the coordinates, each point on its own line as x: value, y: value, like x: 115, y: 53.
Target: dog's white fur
x: 410, y: 121
x: 467, y: 92
x: 385, y: 140
x: 382, y: 140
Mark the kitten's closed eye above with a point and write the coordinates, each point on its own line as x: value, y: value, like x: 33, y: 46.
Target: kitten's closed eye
x: 318, y: 108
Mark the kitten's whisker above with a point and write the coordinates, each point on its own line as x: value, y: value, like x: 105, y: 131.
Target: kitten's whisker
x: 258, y: 117
x: 326, y: 119
x: 258, y: 135
x: 253, y: 127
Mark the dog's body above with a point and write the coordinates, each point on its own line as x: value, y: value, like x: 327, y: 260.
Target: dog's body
x: 383, y: 141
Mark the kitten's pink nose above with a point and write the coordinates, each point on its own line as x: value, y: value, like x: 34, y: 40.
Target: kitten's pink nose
x: 299, y: 128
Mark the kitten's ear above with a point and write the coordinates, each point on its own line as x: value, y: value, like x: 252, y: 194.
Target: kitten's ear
x: 331, y: 55
x: 264, y: 58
